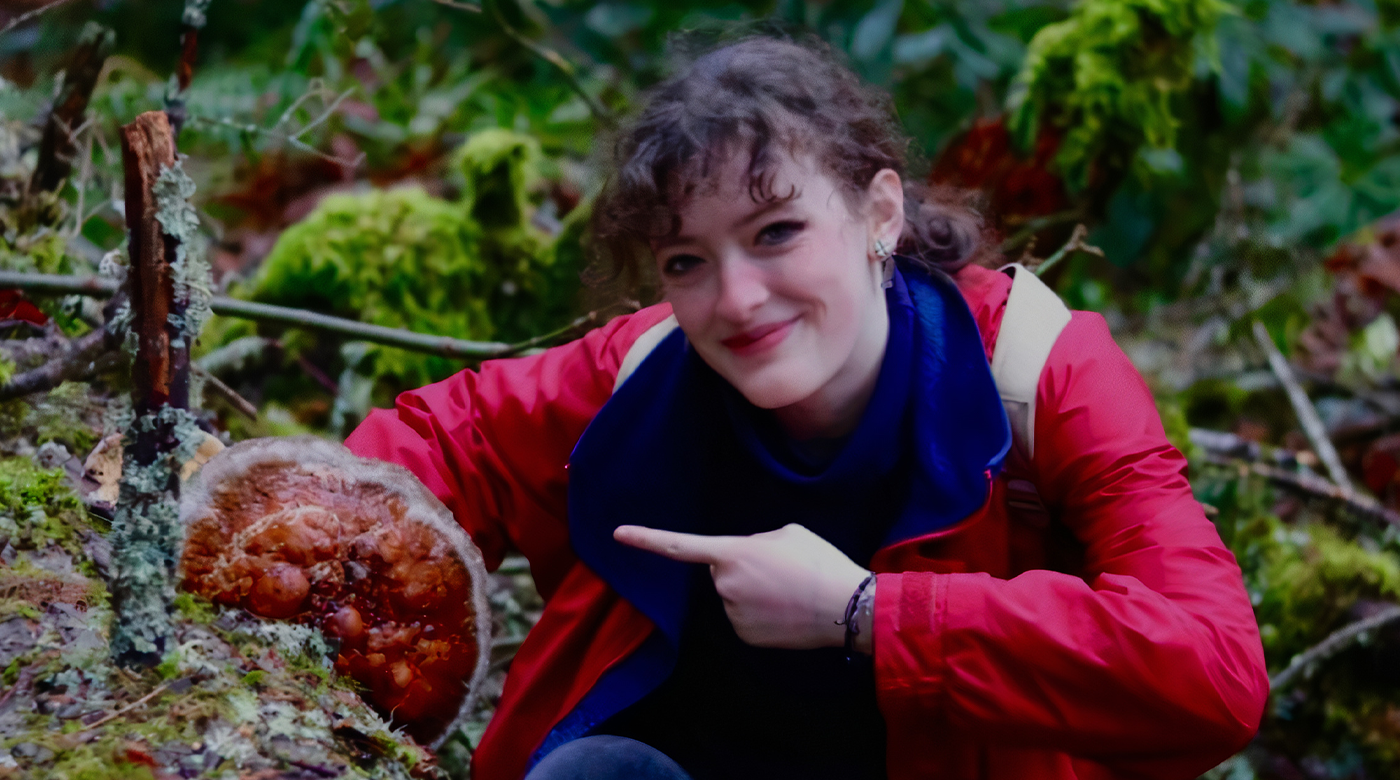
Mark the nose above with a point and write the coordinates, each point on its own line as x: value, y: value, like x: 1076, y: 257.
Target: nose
x: 743, y: 287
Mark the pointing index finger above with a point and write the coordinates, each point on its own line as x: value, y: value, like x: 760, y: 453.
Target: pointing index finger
x: 691, y: 548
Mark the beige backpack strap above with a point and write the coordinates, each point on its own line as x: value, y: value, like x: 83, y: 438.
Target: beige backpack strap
x: 1035, y: 316
x: 642, y: 347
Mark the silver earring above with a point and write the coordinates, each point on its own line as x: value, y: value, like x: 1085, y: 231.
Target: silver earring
x: 883, y: 252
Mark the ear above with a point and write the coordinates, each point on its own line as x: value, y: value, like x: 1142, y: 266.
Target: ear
x: 885, y: 207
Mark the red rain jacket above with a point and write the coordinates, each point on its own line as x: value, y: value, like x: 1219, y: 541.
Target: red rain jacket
x: 1143, y: 660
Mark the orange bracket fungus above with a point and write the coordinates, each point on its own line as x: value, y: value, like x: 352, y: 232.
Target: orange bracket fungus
x: 300, y: 529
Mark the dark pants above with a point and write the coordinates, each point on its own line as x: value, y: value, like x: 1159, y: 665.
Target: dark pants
x: 606, y: 757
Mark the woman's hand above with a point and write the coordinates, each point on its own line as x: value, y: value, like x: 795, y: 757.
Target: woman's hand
x: 785, y: 588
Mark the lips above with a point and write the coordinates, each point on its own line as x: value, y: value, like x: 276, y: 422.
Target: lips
x: 759, y: 338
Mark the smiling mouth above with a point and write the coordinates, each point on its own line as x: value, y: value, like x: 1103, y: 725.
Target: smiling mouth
x: 758, y: 339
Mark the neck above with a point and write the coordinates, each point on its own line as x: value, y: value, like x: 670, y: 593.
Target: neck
x: 837, y: 407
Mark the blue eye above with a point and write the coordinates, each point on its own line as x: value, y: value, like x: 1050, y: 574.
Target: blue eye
x: 780, y: 232
x: 679, y: 265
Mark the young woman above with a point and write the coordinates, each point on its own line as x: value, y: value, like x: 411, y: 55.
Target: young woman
x: 703, y: 507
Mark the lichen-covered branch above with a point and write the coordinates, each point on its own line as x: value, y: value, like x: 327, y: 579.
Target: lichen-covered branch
x: 85, y: 358
x: 169, y: 292
x: 191, y: 22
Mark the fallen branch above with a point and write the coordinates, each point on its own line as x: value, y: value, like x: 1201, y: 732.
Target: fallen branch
x: 1336, y: 642
x: 128, y: 708
x: 468, y: 7
x: 100, y: 287
x: 1230, y: 451
x: 1304, y: 409
x: 85, y: 358
x: 1317, y: 486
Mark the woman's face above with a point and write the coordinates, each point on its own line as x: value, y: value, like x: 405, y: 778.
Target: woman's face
x: 783, y: 298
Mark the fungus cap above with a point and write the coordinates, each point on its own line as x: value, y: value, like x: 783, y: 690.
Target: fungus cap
x: 301, y: 529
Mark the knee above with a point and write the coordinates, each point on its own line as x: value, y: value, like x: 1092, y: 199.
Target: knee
x: 605, y: 757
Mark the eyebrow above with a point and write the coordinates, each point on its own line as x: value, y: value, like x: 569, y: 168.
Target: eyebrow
x: 751, y: 218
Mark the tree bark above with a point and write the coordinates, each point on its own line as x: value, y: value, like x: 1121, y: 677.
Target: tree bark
x: 160, y: 374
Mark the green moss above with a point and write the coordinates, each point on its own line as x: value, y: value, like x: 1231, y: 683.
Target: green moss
x: 196, y: 609
x: 1308, y: 579
x: 498, y: 168
x: 474, y: 269
x: 62, y: 415
x: 38, y: 507
x: 1106, y: 78
x: 399, y: 258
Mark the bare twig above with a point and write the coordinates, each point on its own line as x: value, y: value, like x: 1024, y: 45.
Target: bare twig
x: 231, y: 307
x: 1336, y: 642
x: 1074, y: 244
x: 565, y: 68
x: 1303, y: 408
x: 1028, y: 231
x: 217, y: 386
x: 324, y: 115
x: 468, y: 7
x: 1231, y: 451
x: 128, y: 708
x: 24, y: 17
x: 290, y: 140
x: 1317, y: 486
x: 580, y: 325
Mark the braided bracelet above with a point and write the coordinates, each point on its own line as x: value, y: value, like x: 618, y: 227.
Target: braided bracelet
x: 849, y: 620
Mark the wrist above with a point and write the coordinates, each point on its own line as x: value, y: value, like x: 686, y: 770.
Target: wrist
x: 865, y: 620
x: 850, y: 623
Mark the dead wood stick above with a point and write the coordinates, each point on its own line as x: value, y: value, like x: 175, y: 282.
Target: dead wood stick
x: 1336, y: 642
x: 217, y: 386
x: 1315, y: 486
x: 160, y: 375
x: 362, y: 331
x: 27, y: 15
x: 145, y: 535
x: 1304, y: 409
x: 85, y: 358
x: 128, y: 708
x: 59, y: 144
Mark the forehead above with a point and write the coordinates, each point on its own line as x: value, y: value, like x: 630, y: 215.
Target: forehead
x: 736, y: 185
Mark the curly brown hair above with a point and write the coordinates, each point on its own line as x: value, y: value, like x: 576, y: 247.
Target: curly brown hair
x: 765, y: 96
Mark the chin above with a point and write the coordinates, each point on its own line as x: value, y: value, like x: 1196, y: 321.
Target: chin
x: 776, y: 391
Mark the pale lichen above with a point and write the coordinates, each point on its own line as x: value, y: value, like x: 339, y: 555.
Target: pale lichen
x: 190, y: 269
x: 194, y: 15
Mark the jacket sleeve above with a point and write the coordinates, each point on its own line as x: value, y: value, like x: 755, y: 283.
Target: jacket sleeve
x: 494, y: 444
x: 1150, y: 663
